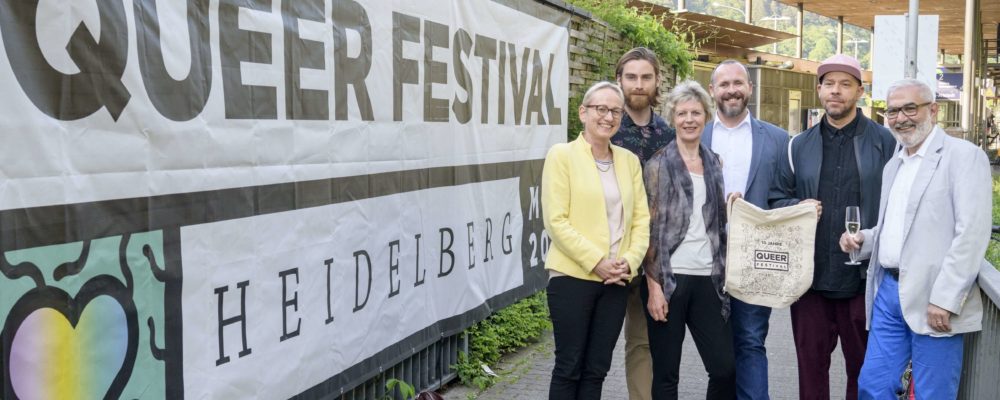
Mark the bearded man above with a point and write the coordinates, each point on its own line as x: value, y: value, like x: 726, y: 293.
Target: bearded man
x: 748, y: 148
x: 642, y: 132
x: 834, y: 165
x: 933, y: 229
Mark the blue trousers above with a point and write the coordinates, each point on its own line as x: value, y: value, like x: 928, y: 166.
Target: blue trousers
x: 750, y: 325
x: 937, y: 361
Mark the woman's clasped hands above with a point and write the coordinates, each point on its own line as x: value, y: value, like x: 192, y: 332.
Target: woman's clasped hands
x: 613, y: 272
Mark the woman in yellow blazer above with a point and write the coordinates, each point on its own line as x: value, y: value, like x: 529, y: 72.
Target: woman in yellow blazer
x: 594, y: 208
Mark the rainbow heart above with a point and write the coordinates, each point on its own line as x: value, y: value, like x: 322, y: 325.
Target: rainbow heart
x: 53, y: 357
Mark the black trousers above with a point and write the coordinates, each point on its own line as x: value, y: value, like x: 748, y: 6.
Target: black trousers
x: 695, y: 305
x: 587, y: 318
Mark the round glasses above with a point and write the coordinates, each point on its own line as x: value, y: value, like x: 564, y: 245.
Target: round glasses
x: 909, y: 110
x: 603, y: 111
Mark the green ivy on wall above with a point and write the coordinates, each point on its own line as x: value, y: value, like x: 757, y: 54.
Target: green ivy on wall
x: 639, y: 28
x: 644, y: 29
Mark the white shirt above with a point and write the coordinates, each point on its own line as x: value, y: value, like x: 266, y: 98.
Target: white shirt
x: 891, y: 233
x: 735, y: 147
x: 694, y: 255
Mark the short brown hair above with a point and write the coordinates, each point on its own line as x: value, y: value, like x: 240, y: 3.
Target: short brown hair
x: 644, y: 54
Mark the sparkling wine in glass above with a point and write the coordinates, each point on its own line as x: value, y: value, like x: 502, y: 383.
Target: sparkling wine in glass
x: 852, y: 221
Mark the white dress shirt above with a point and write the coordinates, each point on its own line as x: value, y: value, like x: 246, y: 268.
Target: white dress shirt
x: 891, y: 232
x: 735, y: 147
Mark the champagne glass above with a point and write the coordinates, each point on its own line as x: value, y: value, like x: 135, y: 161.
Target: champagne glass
x: 852, y: 221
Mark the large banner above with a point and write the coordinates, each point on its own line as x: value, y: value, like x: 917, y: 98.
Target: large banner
x: 264, y: 198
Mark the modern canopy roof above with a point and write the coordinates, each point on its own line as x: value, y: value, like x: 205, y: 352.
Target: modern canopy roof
x: 952, y: 16
x: 722, y: 36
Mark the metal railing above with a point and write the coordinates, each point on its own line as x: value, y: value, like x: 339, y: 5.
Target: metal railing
x: 426, y: 369
x: 981, y: 361
x: 430, y: 368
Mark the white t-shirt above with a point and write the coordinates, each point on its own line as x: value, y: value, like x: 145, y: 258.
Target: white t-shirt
x: 694, y: 255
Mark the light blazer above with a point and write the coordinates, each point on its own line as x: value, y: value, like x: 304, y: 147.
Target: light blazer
x: 945, y: 234
x: 768, y: 143
x: 574, y: 212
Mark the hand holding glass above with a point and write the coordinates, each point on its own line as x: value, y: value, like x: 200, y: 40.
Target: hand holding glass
x: 852, y: 221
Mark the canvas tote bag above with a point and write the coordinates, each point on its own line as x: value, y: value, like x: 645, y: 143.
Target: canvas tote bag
x: 770, y: 254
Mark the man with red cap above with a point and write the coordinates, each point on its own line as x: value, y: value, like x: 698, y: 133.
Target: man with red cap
x: 834, y: 165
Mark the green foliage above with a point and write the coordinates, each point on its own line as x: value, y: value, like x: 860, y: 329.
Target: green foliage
x: 818, y: 31
x: 640, y: 28
x: 993, y: 251
x: 772, y: 14
x: 503, y: 332
x: 575, y: 126
x: 405, y: 389
x: 644, y: 29
x: 822, y: 50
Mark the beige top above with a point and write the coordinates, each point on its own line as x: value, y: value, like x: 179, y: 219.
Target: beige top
x: 613, y: 206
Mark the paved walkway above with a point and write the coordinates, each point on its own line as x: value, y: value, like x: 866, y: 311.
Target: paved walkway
x: 525, y: 375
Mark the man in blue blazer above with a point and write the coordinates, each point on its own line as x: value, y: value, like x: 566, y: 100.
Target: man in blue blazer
x: 748, y: 148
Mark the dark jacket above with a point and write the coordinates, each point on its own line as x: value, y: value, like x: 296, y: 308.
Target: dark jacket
x: 873, y: 147
x: 670, y: 192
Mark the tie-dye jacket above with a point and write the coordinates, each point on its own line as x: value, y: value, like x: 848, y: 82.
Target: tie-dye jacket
x: 670, y: 192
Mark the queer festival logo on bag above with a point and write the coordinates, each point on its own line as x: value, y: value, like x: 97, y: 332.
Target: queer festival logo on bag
x: 770, y: 258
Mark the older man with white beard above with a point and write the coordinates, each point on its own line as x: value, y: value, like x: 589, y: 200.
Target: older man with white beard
x: 933, y: 228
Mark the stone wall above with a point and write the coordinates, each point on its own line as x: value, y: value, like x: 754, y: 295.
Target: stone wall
x: 594, y: 46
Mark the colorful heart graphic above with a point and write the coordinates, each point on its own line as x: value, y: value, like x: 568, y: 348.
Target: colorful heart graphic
x: 52, y: 359
x: 60, y: 347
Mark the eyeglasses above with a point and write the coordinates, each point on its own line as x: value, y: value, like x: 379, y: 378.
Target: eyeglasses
x: 603, y: 111
x: 909, y: 110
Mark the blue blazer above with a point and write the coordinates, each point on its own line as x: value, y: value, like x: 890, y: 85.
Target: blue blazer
x: 769, y: 141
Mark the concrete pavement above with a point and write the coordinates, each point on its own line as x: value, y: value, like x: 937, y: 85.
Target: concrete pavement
x: 525, y: 374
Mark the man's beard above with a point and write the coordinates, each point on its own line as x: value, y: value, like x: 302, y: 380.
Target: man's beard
x: 838, y: 115
x: 922, y: 131
x: 733, y: 111
x: 637, y: 101
x: 848, y: 107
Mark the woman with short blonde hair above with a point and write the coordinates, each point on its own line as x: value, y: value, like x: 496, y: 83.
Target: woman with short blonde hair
x: 685, y: 264
x: 594, y: 209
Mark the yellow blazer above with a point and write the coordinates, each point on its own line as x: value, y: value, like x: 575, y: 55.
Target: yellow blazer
x: 575, y: 215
